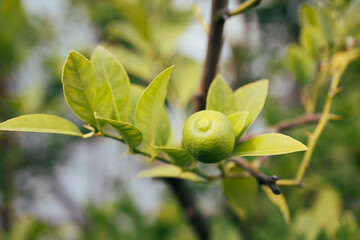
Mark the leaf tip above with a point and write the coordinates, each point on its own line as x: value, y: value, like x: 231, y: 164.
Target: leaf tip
x: 170, y: 68
x: 304, y: 147
x: 73, y: 52
x: 264, y: 81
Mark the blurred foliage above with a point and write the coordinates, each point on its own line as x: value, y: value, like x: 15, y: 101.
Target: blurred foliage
x: 146, y: 33
x: 17, y: 35
x: 122, y: 220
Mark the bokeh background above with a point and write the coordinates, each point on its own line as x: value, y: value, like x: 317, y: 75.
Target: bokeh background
x: 59, y: 187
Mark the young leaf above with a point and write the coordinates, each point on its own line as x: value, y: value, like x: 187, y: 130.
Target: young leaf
x: 83, y: 93
x: 300, y: 64
x: 220, y: 97
x: 309, y: 16
x: 169, y: 171
x: 108, y: 69
x: 240, y: 194
x: 136, y: 93
x: 150, y: 105
x: 162, y: 127
x: 130, y: 133
x: 238, y: 120
x: 136, y: 64
x: 268, y: 144
x: 322, y: 216
x: 251, y: 98
x: 41, y: 123
x: 179, y: 156
x: 279, y: 201
x: 185, y: 81
x: 313, y: 41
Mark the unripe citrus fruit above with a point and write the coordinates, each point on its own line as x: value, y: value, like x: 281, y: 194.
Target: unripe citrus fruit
x: 208, y: 136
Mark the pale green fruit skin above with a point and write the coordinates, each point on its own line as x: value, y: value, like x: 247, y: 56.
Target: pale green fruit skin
x: 208, y: 136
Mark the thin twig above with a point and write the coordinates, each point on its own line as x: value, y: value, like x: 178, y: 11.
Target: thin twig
x: 261, y: 177
x: 290, y: 123
x: 325, y: 117
x: 244, y: 7
x: 199, y: 17
x: 159, y: 158
x: 295, y: 122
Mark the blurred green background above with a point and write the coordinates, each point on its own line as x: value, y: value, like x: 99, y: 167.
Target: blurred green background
x: 56, y: 187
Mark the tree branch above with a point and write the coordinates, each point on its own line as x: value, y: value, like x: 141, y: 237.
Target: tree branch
x: 183, y: 195
x: 179, y: 187
x: 325, y: 117
x: 187, y: 203
x: 68, y: 203
x: 294, y: 122
x: 261, y: 177
x: 290, y: 123
x: 219, y: 7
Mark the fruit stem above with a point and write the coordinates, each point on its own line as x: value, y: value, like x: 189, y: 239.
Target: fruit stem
x: 146, y: 154
x: 221, y: 168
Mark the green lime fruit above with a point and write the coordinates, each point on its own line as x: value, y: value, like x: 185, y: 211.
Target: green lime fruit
x: 208, y: 136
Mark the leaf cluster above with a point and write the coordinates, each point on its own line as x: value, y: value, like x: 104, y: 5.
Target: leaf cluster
x: 99, y: 92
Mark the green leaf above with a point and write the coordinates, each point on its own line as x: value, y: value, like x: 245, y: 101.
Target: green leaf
x: 313, y: 41
x: 169, y: 171
x: 238, y: 120
x: 179, y: 156
x: 309, y: 16
x: 300, y: 64
x: 240, y: 194
x: 134, y: 12
x: 129, y: 132
x: 185, y: 79
x: 170, y: 26
x: 108, y: 69
x: 348, y: 228
x: 150, y: 106
x: 29, y: 228
x: 323, y: 215
x: 251, y: 98
x: 136, y: 93
x: 162, y: 127
x: 327, y: 208
x: 220, y: 97
x: 83, y: 92
x: 129, y: 34
x: 41, y: 123
x: 136, y: 64
x: 268, y: 144
x: 279, y: 201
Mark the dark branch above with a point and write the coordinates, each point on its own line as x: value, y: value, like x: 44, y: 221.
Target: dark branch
x: 213, y: 51
x: 188, y: 205
x: 179, y: 188
x: 261, y: 177
x: 68, y: 203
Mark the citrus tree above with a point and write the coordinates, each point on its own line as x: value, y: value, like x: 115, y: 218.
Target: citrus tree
x: 111, y: 105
